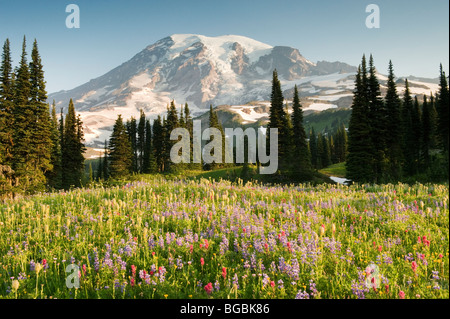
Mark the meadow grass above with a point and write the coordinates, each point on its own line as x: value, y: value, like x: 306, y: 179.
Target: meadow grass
x: 180, y: 238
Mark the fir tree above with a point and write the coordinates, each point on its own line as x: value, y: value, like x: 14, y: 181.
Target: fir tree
x: 23, y: 114
x: 433, y: 124
x: 120, y: 151
x: 302, y: 158
x: 320, y: 151
x: 278, y: 119
x: 416, y: 126
x: 426, y: 133
x: 149, y: 157
x: 158, y: 143
x: 6, y: 107
x: 41, y: 127
x: 313, y: 148
x: 409, y: 142
x: 377, y: 121
x: 54, y: 176
x: 394, y: 136
x: 170, y: 124
x: 360, y: 151
x: 442, y: 102
x: 131, y: 127
x: 72, y: 150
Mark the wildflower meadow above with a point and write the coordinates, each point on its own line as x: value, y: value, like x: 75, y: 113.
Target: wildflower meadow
x: 166, y: 238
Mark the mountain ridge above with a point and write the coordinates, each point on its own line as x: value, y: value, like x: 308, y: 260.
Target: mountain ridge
x: 204, y: 71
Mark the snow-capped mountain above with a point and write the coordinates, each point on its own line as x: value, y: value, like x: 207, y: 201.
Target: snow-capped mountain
x: 200, y: 70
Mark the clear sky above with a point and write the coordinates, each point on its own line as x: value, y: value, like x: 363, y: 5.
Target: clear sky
x: 413, y: 33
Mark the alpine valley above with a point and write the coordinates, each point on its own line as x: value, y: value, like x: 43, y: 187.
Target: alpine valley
x: 230, y: 72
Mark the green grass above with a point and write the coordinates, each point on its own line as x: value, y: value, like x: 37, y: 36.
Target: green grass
x: 337, y: 170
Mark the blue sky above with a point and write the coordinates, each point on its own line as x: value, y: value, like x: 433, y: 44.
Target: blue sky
x: 413, y: 34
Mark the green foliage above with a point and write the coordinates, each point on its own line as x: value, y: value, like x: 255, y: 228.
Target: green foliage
x: 120, y: 151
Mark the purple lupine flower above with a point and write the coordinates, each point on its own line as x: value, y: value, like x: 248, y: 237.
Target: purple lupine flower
x: 312, y: 287
x: 236, y: 280
x: 253, y: 261
x: 265, y: 280
x: 217, y: 285
x: 280, y: 284
x: 107, y: 260
x: 302, y: 295
x: 435, y: 274
x: 96, y: 262
x: 32, y: 265
x: 179, y: 262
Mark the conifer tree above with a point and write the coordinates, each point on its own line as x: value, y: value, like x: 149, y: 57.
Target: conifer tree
x: 158, y: 143
x: 23, y: 114
x: 131, y: 127
x: 394, y: 136
x: 41, y: 126
x: 301, y: 156
x: 359, y: 163
x: 171, y: 123
x: 433, y: 124
x: 149, y: 157
x: 54, y: 176
x: 278, y: 119
x: 6, y: 106
x: 320, y: 151
x: 313, y: 148
x: 426, y: 133
x: 120, y: 151
x: 442, y: 102
x: 377, y: 121
x: 416, y: 126
x: 72, y: 158
x: 409, y: 142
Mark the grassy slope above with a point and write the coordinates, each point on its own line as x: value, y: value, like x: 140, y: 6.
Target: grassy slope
x: 337, y: 170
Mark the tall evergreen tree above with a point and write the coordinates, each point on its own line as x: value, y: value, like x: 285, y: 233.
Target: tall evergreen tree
x: 158, y: 143
x: 171, y: 123
x: 340, y: 144
x: 149, y: 158
x: 360, y: 150
x: 433, y: 124
x: 394, y: 136
x: 416, y: 126
x: 54, y: 176
x: 6, y: 106
x: 72, y: 150
x: 409, y: 141
x: 131, y: 127
x: 23, y: 114
x: 120, y: 151
x: 302, y: 157
x: 426, y: 133
x: 278, y: 119
x: 313, y: 148
x: 320, y: 151
x: 442, y: 102
x: 41, y: 126
x: 377, y: 121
